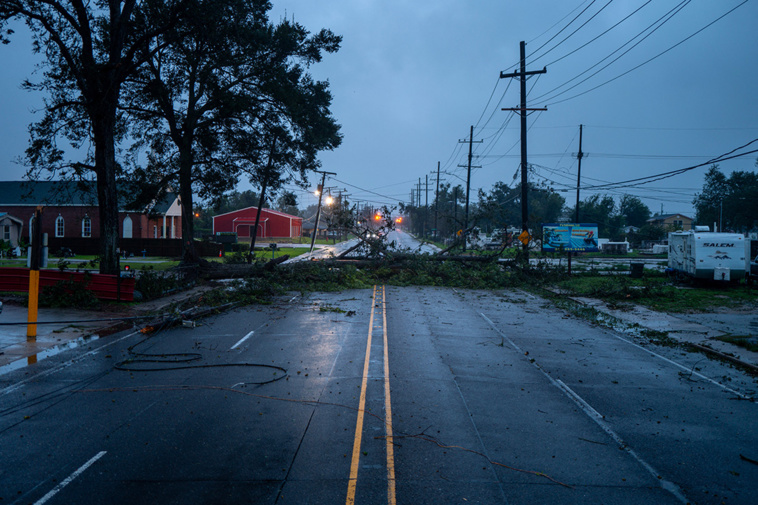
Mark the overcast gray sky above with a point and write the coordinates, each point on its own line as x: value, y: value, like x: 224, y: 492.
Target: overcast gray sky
x: 412, y: 77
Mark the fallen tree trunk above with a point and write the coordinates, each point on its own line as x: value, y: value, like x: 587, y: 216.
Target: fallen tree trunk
x: 273, y: 262
x: 399, y: 259
x: 212, y: 270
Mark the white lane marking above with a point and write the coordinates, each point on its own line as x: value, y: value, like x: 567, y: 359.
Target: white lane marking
x: 243, y: 339
x: 70, y: 478
x: 598, y: 419
x: 688, y: 370
x: 595, y: 416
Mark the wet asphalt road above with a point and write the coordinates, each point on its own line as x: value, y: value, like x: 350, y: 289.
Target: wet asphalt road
x: 495, y: 397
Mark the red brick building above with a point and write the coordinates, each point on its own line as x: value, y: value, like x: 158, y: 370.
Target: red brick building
x: 70, y: 210
x: 273, y: 224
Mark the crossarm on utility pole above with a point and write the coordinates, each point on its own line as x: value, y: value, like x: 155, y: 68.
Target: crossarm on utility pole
x: 522, y: 74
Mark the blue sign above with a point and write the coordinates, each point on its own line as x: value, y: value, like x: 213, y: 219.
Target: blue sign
x: 569, y: 237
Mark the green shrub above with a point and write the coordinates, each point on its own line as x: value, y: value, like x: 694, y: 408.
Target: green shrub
x: 153, y: 284
x: 69, y: 293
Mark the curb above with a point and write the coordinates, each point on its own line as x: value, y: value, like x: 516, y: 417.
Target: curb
x: 726, y: 357
x: 749, y: 367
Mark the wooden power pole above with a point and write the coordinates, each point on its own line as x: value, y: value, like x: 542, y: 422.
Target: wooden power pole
x: 522, y: 75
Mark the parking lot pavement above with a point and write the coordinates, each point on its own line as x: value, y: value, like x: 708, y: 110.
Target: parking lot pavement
x: 61, y: 329
x: 57, y: 329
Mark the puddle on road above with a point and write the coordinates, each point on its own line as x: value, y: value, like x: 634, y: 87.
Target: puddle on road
x: 33, y: 359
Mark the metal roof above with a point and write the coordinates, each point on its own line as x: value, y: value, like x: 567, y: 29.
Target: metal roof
x: 68, y: 194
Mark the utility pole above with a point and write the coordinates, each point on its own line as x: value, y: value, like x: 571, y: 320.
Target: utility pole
x: 418, y: 190
x: 468, y: 178
x: 522, y: 74
x: 426, y: 204
x: 579, y: 156
x: 35, y: 262
x: 455, y: 206
x: 418, y: 199
x: 318, y: 208
x: 437, y: 201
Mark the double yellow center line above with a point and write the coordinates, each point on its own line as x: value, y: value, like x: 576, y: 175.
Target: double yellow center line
x: 353, y: 482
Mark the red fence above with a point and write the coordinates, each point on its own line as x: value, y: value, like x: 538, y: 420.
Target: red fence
x: 105, y: 287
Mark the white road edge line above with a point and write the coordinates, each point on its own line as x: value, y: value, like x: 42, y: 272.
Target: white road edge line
x: 726, y: 388
x: 243, y: 339
x: 70, y: 478
x: 595, y: 416
x: 598, y: 419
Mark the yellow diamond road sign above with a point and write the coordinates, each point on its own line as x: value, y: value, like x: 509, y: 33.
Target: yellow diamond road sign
x: 525, y: 237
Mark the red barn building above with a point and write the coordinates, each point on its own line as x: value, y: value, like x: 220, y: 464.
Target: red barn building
x: 273, y: 224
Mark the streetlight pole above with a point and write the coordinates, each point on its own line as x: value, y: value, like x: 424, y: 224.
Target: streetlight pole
x: 318, y: 209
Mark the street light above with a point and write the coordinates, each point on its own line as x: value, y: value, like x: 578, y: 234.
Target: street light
x: 329, y: 200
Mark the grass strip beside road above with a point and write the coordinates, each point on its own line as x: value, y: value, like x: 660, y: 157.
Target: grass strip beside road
x: 661, y: 294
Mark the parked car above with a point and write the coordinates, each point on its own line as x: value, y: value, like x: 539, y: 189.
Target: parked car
x: 753, y: 276
x: 65, y: 252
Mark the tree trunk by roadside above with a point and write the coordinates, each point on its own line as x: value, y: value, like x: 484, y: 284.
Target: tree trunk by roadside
x: 103, y: 125
x: 189, y: 254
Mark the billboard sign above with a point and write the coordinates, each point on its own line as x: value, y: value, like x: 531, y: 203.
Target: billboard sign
x: 569, y: 237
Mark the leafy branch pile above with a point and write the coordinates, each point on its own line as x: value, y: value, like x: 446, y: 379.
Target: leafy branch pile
x: 262, y: 284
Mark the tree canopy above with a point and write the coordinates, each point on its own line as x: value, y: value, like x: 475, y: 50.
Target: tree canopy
x: 600, y: 210
x: 208, y: 91
x: 91, y: 48
x: 633, y: 211
x: 731, y: 201
x: 501, y: 207
x: 228, y: 96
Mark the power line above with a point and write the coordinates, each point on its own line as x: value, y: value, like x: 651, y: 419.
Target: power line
x: 573, y: 33
x: 365, y: 190
x: 651, y: 28
x: 664, y: 175
x: 497, y: 83
x: 605, y: 32
x: 649, y: 60
x: 561, y: 30
x: 556, y: 24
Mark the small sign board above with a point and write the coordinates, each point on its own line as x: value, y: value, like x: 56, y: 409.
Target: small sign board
x: 524, y: 238
x: 572, y: 237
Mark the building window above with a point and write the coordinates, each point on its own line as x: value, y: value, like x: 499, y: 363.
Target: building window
x: 128, y: 227
x: 59, y: 227
x: 7, y: 232
x: 86, y: 227
x: 155, y: 231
